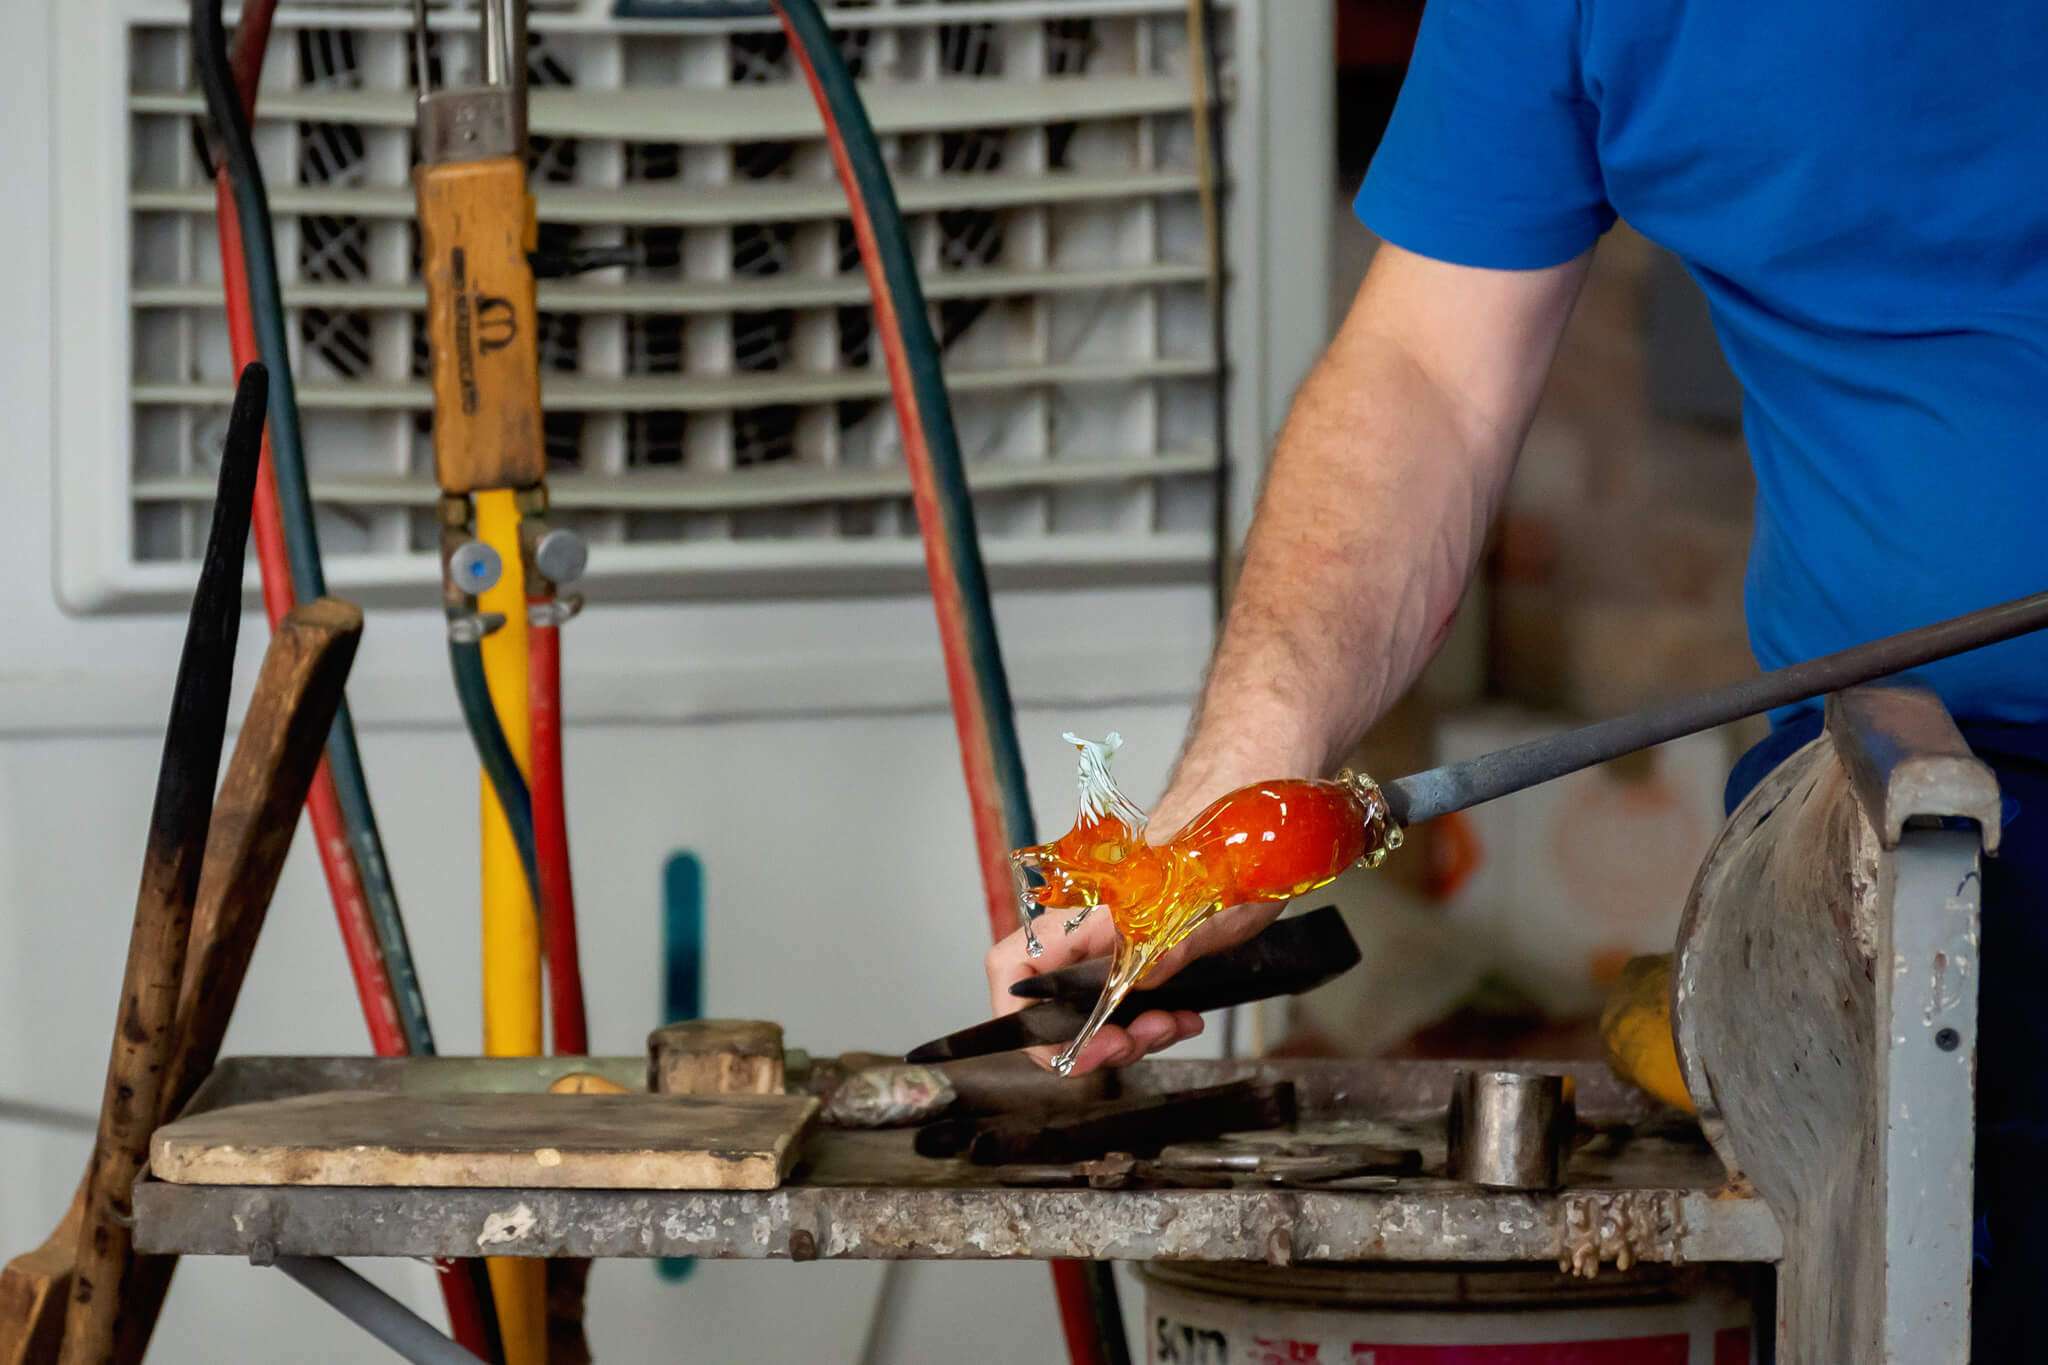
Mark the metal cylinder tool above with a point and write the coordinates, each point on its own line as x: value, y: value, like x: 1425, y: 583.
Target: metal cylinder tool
x: 1507, y: 1130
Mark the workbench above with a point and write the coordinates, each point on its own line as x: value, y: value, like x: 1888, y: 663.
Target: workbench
x: 1824, y: 1011
x: 865, y: 1195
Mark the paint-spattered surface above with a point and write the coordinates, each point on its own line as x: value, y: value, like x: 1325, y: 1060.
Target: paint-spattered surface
x: 640, y: 1142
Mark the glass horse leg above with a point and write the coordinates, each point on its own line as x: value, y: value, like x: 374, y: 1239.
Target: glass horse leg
x: 1027, y: 904
x: 1126, y: 965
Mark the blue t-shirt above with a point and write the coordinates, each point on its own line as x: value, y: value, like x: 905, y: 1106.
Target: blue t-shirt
x: 1862, y: 190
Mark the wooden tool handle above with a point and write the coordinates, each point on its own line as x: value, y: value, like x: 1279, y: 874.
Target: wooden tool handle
x: 474, y: 218
x: 34, y: 1289
x: 254, y: 818
x: 170, y: 876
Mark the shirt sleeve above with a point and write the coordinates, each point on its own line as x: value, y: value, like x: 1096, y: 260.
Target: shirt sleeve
x: 1491, y: 158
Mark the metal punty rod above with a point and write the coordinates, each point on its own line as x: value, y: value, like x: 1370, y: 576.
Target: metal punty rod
x: 1459, y: 785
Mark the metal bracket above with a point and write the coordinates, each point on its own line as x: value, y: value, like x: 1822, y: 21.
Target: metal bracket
x: 1907, y: 760
x: 467, y: 125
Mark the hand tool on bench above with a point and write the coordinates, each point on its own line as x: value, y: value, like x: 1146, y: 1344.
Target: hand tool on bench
x: 1117, y: 1171
x: 1292, y: 1163
x: 143, y: 1027
x: 1140, y: 1125
x: 254, y: 819
x: 1290, y: 956
x: 1349, y: 1166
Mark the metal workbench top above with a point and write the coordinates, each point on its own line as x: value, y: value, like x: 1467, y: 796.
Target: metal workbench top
x: 1640, y: 1192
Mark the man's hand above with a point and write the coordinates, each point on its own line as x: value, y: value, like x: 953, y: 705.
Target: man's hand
x: 1378, y: 498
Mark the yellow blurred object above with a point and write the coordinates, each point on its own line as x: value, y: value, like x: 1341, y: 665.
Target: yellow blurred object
x: 1636, y: 1028
x: 512, y: 1013
x: 586, y: 1083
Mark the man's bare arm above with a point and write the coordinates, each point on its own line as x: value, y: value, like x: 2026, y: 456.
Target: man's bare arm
x: 1386, y: 477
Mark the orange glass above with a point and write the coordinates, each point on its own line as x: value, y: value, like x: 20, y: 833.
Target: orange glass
x: 1271, y: 841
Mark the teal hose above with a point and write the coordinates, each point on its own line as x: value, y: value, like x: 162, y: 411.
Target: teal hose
x: 487, y: 734
x: 935, y: 409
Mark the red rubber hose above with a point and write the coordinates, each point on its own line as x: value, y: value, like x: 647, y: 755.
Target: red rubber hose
x: 251, y: 41
x: 323, y: 804
x: 970, y: 721
x: 458, y: 1280
x: 551, y: 839
x: 1078, y: 1320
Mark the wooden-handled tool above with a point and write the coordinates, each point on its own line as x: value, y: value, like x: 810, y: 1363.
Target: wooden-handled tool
x: 34, y: 1289
x: 170, y: 879
x: 476, y: 232
x: 254, y: 819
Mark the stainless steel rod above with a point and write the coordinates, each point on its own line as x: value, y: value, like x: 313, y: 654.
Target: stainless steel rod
x: 1459, y: 785
x: 497, y: 43
x: 375, y: 1311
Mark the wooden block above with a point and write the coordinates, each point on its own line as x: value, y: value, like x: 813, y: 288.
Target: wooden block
x: 636, y: 1142
x: 716, y: 1057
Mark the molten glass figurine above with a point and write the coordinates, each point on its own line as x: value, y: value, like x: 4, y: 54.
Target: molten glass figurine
x: 1267, y: 842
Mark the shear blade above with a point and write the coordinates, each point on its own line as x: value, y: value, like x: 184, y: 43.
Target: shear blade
x: 1052, y: 1022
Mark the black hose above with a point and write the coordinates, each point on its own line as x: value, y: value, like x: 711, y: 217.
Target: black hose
x: 1459, y: 785
x: 302, y: 542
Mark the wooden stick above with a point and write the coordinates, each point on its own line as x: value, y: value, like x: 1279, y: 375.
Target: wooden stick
x: 254, y: 819
x: 163, y: 906
x: 34, y: 1289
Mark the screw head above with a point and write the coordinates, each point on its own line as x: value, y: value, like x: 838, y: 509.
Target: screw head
x: 1948, y: 1040
x: 561, y: 556
x: 475, y: 567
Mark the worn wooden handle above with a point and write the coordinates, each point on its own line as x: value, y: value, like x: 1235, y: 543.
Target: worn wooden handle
x: 34, y: 1289
x: 480, y: 324
x: 254, y: 818
x: 170, y: 874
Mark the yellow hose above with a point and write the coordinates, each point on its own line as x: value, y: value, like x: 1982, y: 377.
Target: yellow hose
x: 511, y: 929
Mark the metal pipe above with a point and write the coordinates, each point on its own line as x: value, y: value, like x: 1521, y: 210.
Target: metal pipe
x: 375, y: 1311
x: 420, y: 48
x: 504, y: 43
x: 516, y: 54
x: 496, y: 42
x: 1459, y: 785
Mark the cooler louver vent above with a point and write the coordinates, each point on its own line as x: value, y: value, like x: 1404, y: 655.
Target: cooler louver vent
x: 717, y: 411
